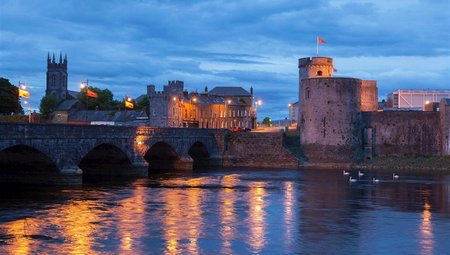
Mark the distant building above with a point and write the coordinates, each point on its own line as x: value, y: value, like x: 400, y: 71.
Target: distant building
x: 222, y: 107
x: 415, y: 99
x: 293, y: 112
x: 57, y: 78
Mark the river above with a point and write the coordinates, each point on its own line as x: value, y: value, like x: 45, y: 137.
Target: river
x: 232, y: 212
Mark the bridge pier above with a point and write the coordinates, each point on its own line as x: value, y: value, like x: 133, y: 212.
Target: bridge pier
x: 185, y: 162
x: 69, y: 175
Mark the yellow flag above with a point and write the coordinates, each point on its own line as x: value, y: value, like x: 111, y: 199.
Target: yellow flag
x: 24, y: 93
x: 129, y: 105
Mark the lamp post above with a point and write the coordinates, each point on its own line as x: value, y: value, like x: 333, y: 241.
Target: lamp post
x: 194, y: 111
x: 227, y: 102
x: 257, y: 102
x: 21, y: 86
x: 29, y: 110
x: 84, y: 85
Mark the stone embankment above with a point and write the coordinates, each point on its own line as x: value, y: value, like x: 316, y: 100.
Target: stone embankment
x: 255, y: 149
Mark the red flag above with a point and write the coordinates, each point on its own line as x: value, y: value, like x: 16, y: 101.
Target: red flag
x: 91, y: 93
x: 320, y: 40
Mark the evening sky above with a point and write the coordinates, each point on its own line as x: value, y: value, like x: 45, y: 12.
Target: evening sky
x: 126, y: 45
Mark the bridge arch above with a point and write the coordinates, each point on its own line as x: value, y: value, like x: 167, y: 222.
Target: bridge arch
x: 161, y: 156
x: 199, y: 154
x: 27, y: 164
x: 105, y: 159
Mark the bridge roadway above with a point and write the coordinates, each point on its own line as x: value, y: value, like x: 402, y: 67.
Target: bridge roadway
x: 61, y: 154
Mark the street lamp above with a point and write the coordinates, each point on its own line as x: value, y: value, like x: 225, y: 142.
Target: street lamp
x: 29, y: 110
x: 257, y: 102
x: 227, y: 102
x: 84, y: 85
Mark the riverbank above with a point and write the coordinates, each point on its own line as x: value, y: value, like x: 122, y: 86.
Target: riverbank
x: 399, y: 164
x: 408, y: 163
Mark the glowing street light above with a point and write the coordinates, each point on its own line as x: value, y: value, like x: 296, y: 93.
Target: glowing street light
x: 257, y: 102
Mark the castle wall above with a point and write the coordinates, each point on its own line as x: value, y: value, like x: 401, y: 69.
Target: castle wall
x: 329, y: 119
x: 369, y: 96
x: 403, y: 133
x: 444, y: 114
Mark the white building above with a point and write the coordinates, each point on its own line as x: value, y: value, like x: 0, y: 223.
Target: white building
x: 415, y: 98
x: 293, y: 112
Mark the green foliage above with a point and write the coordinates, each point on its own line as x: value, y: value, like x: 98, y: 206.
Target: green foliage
x: 118, y: 105
x: 9, y: 97
x: 48, y: 104
x: 104, y: 100
x: 267, y: 121
x: 143, y: 104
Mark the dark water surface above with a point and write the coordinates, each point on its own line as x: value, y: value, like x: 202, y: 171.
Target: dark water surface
x: 232, y: 212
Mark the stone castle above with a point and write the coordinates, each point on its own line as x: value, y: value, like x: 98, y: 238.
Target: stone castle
x: 340, y: 122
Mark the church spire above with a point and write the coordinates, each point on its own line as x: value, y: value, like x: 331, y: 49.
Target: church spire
x: 60, y: 57
x: 48, y: 57
x: 53, y: 60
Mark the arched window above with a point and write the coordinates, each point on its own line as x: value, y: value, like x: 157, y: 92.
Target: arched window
x: 319, y: 73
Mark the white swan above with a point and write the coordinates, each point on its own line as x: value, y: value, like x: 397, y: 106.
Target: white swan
x: 345, y: 172
x: 350, y: 179
x: 360, y: 173
x: 375, y: 179
x: 394, y: 176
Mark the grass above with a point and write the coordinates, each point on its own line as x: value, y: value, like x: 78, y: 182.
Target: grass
x: 409, y: 163
x: 292, y: 143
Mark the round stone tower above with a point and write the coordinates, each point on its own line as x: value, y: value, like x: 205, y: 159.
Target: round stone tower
x: 330, y: 119
x: 313, y: 67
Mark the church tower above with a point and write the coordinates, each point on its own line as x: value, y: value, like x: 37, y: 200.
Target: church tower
x: 57, y: 77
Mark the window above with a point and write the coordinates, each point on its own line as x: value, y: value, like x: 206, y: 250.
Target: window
x: 308, y: 93
x: 319, y: 73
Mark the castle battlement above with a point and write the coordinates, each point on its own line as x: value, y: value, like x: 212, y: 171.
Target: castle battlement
x: 304, y: 62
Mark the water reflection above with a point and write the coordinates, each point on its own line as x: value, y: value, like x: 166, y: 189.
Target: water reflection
x: 289, y: 209
x: 271, y: 212
x: 227, y: 200
x: 426, y: 230
x: 256, y: 216
x: 182, y: 222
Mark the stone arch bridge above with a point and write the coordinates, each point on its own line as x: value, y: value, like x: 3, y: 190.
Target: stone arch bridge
x: 65, y: 152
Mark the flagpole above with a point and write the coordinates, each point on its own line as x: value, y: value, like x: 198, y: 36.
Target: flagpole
x: 317, y: 46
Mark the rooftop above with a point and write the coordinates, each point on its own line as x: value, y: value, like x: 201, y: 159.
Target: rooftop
x: 229, y: 91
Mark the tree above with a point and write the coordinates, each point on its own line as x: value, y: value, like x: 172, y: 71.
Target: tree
x: 9, y: 97
x: 267, y: 121
x: 48, y: 104
x: 143, y: 104
x: 104, y: 100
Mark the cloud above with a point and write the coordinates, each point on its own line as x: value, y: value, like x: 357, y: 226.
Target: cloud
x: 125, y: 45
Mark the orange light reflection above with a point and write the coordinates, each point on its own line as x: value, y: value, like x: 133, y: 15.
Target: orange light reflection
x: 227, y: 215
x: 257, y: 216
x: 426, y: 231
